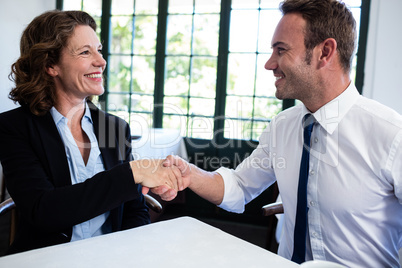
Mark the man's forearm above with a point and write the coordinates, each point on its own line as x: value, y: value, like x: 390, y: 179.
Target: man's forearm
x: 208, y: 185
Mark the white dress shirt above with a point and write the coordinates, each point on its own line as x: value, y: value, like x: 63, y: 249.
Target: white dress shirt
x: 79, y: 171
x: 354, y: 190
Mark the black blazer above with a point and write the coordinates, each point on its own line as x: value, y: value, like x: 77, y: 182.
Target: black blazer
x: 38, y: 179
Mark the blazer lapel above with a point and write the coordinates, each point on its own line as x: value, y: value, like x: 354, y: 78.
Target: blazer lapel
x: 105, y: 134
x: 104, y: 131
x: 55, y: 152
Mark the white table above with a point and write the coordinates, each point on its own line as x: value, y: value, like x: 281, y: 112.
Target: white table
x: 182, y: 242
x: 158, y: 143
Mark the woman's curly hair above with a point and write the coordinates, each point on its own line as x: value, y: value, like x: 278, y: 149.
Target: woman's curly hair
x: 40, y: 47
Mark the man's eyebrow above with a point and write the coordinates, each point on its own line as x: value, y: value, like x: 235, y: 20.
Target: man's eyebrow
x: 278, y: 44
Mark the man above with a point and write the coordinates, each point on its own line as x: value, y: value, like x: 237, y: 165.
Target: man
x: 352, y: 176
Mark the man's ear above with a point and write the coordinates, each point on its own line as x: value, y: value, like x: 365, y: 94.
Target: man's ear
x: 328, y: 51
x: 51, y: 70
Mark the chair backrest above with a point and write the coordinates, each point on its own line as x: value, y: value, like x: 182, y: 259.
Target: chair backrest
x: 6, y: 206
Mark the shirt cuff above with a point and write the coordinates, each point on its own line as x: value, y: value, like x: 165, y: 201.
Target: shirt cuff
x: 233, y: 197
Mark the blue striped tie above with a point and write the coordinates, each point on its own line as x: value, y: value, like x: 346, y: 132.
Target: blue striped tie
x: 299, y: 250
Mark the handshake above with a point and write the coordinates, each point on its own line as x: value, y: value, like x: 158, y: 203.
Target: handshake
x: 165, y: 177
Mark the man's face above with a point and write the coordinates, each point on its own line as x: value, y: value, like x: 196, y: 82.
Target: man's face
x: 295, y: 78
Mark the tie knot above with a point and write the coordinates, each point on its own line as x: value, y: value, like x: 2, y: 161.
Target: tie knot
x: 308, y: 122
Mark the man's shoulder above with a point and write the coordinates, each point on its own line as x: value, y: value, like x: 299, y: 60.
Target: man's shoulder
x: 379, y: 112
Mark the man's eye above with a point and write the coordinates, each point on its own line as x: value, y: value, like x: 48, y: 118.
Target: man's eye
x: 100, y: 51
x: 280, y: 51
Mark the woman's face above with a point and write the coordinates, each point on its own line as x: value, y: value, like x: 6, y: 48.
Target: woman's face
x: 79, y: 71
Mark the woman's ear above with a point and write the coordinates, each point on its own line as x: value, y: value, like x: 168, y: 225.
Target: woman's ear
x: 51, y: 70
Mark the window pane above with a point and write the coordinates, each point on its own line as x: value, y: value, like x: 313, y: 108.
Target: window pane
x: 143, y: 74
x: 207, y: 6
x: 356, y: 15
x: 237, y: 129
x: 265, y: 83
x: 177, y: 75
x: 204, y: 107
x: 239, y: 107
x: 72, y: 5
x: 176, y: 122
x: 179, y: 34
x: 241, y: 74
x: 203, y: 77
x: 93, y: 7
x: 200, y: 127
x: 270, y: 3
x: 243, y: 31
x: 149, y: 7
x: 265, y: 108
x: 122, y: 7
x: 145, y: 35
x: 206, y: 35
x: 353, y: 3
x: 119, y: 73
x: 121, y: 34
x: 181, y: 6
x: 118, y: 102
x: 175, y: 105
x: 267, y: 17
x: 139, y: 123
x: 237, y: 4
x: 142, y: 103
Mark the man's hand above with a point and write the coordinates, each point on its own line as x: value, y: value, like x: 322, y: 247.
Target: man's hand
x: 150, y: 173
x: 183, y: 166
x: 167, y: 193
x: 208, y: 185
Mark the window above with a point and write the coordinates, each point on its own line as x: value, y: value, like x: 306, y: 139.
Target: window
x: 196, y: 65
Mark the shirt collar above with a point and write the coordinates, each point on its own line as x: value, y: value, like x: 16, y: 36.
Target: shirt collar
x: 88, y: 113
x: 57, y: 116
x: 330, y: 115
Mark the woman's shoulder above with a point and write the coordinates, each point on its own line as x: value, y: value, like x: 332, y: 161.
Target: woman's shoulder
x: 14, y: 114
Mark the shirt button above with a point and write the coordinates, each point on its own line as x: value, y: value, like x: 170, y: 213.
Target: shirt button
x: 312, y: 172
x: 316, y: 140
x: 312, y: 203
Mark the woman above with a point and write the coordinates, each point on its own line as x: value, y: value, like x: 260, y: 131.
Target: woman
x: 67, y: 165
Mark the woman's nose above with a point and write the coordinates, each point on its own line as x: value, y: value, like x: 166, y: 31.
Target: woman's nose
x: 100, y: 61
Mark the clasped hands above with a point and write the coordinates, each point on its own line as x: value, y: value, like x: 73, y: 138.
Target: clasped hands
x: 165, y: 177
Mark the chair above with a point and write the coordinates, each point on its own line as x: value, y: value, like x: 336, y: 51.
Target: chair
x: 9, y: 205
x: 270, y: 210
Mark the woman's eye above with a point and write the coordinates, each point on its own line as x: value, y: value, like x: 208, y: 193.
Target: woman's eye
x: 86, y: 52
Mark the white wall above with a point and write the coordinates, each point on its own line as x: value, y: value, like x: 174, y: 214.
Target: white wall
x: 383, y: 71
x: 14, y: 17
